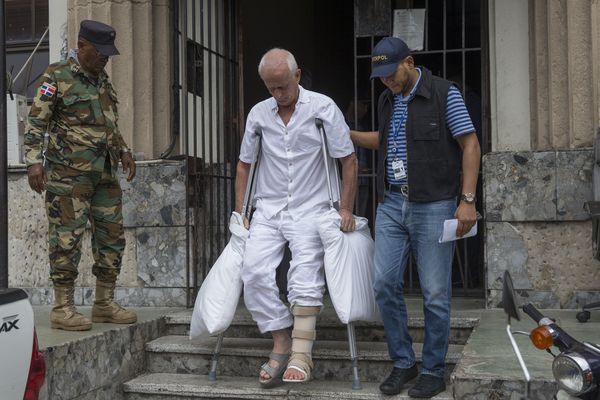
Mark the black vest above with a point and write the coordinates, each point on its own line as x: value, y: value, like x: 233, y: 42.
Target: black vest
x: 434, y: 157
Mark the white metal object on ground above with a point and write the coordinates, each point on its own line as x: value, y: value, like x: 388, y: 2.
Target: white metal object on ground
x: 16, y: 338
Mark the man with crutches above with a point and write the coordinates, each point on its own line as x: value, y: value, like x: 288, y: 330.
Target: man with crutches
x: 291, y: 193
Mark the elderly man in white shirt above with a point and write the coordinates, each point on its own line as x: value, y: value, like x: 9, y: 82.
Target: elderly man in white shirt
x: 291, y: 193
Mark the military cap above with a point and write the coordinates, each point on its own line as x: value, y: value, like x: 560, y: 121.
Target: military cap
x: 102, y: 36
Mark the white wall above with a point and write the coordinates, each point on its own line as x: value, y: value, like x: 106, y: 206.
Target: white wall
x: 57, y: 15
x: 509, y: 75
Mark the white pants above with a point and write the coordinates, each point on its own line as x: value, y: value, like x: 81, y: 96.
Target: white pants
x: 264, y: 252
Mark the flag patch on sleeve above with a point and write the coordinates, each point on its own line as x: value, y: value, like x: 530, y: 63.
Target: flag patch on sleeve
x: 47, y: 90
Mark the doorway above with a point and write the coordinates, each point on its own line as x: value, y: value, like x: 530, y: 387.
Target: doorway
x: 319, y: 34
x: 332, y: 42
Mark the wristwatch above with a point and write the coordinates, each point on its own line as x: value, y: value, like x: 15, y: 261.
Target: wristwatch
x: 125, y: 150
x: 468, y: 198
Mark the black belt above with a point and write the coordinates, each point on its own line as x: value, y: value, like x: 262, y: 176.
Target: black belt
x: 397, y: 188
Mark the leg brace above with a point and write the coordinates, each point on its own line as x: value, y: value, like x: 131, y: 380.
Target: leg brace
x: 303, y: 335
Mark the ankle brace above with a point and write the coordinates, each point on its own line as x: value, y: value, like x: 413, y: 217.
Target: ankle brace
x: 303, y: 335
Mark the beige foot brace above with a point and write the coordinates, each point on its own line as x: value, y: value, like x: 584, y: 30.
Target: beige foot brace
x: 303, y: 337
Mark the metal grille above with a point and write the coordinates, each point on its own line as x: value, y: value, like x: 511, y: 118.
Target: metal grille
x: 454, y: 47
x: 208, y: 115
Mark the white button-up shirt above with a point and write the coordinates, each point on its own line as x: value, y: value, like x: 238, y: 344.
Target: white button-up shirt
x: 291, y: 172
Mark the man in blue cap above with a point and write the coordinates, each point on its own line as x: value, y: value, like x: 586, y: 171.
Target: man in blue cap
x: 75, y: 109
x: 425, y: 137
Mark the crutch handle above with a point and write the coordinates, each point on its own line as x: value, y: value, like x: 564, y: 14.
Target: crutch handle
x: 325, y: 151
x: 246, y: 206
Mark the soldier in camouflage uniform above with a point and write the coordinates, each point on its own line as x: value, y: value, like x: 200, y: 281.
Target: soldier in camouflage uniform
x: 73, y: 147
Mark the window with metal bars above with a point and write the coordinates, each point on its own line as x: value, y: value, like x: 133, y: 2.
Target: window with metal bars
x: 26, y: 21
x: 206, y: 91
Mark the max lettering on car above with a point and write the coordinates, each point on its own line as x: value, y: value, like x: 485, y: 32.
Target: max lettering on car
x: 9, y: 323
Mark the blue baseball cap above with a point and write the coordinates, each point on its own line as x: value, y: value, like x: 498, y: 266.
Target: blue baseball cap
x: 387, y: 54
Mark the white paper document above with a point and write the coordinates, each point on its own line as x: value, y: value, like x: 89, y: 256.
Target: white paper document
x: 449, y: 232
x: 409, y: 25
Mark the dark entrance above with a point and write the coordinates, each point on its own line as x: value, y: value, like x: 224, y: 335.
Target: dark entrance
x: 332, y: 41
x: 319, y: 33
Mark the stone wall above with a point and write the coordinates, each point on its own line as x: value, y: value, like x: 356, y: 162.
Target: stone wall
x: 536, y: 227
x: 153, y: 270
x: 95, y: 367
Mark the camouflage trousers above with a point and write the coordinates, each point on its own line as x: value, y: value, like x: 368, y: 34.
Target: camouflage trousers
x: 73, y: 198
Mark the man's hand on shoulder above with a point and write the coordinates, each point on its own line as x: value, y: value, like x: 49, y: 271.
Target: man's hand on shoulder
x: 36, y: 175
x: 128, y: 164
x: 347, y: 224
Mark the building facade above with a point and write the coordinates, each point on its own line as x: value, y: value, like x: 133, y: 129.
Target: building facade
x: 186, y: 78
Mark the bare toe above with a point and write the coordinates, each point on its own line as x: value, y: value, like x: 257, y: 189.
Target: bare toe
x: 264, y: 376
x: 293, y: 374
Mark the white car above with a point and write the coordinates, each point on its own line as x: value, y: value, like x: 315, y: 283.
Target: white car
x: 22, y: 365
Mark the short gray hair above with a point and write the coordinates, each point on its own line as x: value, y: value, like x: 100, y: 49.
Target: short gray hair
x: 291, y: 61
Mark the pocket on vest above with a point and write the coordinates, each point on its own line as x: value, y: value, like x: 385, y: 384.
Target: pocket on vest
x: 427, y: 129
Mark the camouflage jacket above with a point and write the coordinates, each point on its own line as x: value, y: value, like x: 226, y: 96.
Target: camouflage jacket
x: 80, y: 116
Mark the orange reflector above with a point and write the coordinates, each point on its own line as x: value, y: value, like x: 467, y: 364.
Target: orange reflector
x: 541, y: 337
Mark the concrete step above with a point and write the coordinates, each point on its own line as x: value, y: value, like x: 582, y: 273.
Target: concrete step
x: 243, y: 357
x: 329, y: 327
x: 161, y: 386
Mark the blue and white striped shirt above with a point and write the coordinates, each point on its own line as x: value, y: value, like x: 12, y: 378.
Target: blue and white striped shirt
x: 457, y: 120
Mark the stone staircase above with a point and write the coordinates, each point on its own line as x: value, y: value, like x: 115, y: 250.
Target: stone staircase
x: 177, y: 368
